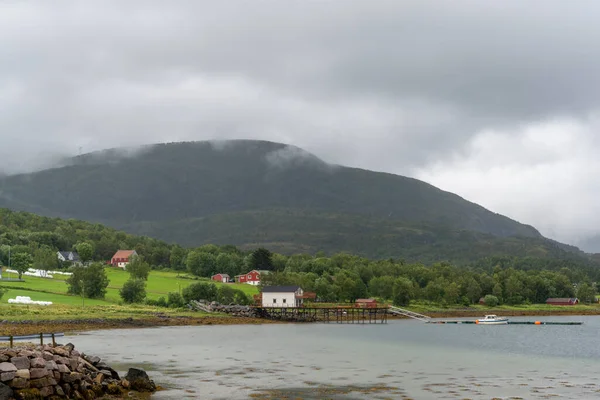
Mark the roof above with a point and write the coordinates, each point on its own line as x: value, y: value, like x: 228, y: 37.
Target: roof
x: 280, y: 289
x: 366, y: 300
x: 124, y: 253
x: 66, y: 254
x: 221, y: 275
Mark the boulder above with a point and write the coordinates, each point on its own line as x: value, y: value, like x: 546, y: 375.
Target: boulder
x: 19, y: 383
x: 36, y: 373
x: 47, y: 391
x: 62, y: 368
x: 51, y: 365
x: 6, y: 393
x: 46, y: 355
x: 139, y: 380
x: 7, y: 376
x: 69, y: 347
x: 7, y: 367
x: 23, y: 373
x: 20, y: 362
x: 93, y: 360
x: 38, y: 363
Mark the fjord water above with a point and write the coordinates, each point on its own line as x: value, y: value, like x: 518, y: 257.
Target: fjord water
x: 401, y: 359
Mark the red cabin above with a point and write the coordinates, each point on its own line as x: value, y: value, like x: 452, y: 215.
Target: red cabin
x: 220, y: 278
x: 251, y: 278
x: 559, y: 301
x: 122, y: 258
x: 366, y: 303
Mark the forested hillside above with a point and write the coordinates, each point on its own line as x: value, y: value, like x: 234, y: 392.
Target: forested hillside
x: 253, y: 193
x: 340, y: 277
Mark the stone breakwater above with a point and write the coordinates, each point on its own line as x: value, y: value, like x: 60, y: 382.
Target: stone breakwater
x: 61, y: 372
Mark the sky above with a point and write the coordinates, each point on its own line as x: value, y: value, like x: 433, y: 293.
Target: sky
x: 498, y: 102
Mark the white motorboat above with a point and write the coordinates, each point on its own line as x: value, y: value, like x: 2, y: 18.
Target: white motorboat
x: 492, y: 320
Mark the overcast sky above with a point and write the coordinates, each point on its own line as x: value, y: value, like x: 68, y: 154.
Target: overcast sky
x: 496, y: 101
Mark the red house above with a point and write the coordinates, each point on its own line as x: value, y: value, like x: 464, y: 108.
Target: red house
x: 558, y: 301
x: 122, y: 258
x: 220, y: 278
x: 251, y: 278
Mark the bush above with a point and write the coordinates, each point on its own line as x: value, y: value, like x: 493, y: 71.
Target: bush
x: 162, y: 302
x: 133, y: 291
x: 175, y: 300
x: 491, y: 301
x: 240, y: 298
x: 92, y: 280
x: 200, y: 291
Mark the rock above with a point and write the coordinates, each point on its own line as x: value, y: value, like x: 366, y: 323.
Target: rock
x: 69, y: 347
x: 99, y: 378
x: 56, y: 375
x: 73, y: 364
x: 61, y: 351
x: 67, y: 389
x: 7, y: 376
x: 139, y: 380
x: 10, y: 353
x: 87, y: 364
x: 93, y: 360
x: 4, y: 358
x: 39, y: 383
x: 59, y: 391
x: 75, y: 353
x: 26, y: 353
x: 72, y: 377
x: 36, y: 373
x: 47, y: 391
x: 51, y: 365
x: 38, y: 363
x: 6, y: 393
x: 62, y: 368
x: 20, y: 362
x: 23, y: 373
x: 28, y: 394
x: 47, y: 356
x: 7, y: 367
x: 19, y: 383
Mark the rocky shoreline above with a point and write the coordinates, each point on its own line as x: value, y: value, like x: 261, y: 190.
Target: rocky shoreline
x: 62, y: 372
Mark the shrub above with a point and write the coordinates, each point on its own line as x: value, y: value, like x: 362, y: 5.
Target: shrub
x: 133, y: 291
x: 200, y: 291
x: 491, y: 301
x: 175, y: 300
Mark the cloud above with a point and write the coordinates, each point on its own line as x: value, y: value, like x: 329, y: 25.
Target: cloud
x: 412, y: 87
x: 542, y: 173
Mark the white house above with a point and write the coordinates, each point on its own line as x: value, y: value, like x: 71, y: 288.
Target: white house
x: 68, y: 256
x: 282, y: 296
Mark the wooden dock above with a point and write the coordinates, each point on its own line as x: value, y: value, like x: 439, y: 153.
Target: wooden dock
x: 340, y: 315
x: 474, y: 322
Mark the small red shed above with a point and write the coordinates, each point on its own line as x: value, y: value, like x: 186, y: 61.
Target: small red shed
x: 562, y: 301
x: 366, y: 303
x: 220, y: 278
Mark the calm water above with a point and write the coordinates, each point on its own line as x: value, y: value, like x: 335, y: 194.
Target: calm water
x: 403, y: 359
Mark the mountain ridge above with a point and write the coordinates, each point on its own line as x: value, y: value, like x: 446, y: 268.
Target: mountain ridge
x: 158, y: 185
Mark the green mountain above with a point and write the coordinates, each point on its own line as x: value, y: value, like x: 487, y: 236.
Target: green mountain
x: 252, y: 193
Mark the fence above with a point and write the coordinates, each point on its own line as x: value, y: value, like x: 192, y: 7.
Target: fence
x: 11, y: 339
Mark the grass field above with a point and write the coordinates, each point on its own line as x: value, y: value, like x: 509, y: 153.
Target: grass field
x: 159, y: 284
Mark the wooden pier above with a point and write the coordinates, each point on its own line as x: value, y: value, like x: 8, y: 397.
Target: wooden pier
x: 474, y: 322
x: 340, y: 315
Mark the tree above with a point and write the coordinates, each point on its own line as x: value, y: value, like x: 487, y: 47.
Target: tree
x: 91, y: 280
x: 200, y: 291
x: 138, y: 268
x: 85, y: 251
x: 491, y: 301
x: 177, y: 257
x: 586, y: 293
x: 200, y: 263
x: 452, y: 293
x: 382, y: 286
x: 44, y: 259
x: 403, y: 291
x: 261, y: 259
x: 21, y: 262
x: 133, y: 291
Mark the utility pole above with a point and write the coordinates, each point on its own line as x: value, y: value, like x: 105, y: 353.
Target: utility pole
x: 82, y: 294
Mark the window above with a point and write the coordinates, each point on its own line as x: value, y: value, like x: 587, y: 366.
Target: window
x: 284, y: 301
x: 274, y: 301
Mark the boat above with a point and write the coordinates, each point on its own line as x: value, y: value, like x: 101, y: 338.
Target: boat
x: 492, y: 320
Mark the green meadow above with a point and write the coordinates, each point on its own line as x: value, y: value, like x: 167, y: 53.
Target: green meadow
x: 159, y: 284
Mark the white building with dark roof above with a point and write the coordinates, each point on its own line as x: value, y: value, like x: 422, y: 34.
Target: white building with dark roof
x: 282, y: 296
